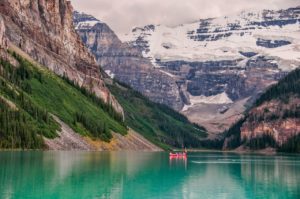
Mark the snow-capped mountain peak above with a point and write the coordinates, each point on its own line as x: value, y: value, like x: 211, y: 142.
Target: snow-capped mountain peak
x: 267, y: 32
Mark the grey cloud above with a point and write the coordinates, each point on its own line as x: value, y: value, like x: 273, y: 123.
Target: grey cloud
x: 123, y: 15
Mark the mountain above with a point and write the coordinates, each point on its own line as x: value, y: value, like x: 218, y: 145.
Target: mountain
x: 213, y: 68
x: 273, y: 121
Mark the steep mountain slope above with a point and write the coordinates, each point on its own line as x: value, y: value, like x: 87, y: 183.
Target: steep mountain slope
x: 274, y: 120
x: 213, y: 67
x: 44, y: 30
x: 38, y: 109
x: 37, y: 93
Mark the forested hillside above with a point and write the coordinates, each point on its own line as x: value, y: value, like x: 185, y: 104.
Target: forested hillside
x: 29, y: 95
x: 273, y: 121
x: 286, y: 88
x: 158, y: 123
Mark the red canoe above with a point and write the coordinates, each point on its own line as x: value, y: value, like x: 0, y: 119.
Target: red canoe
x: 177, y: 155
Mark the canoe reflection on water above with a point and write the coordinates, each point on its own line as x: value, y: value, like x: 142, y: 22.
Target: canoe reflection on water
x: 178, y: 159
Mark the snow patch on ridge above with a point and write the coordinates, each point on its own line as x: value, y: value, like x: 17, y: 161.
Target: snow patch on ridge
x: 110, y: 74
x: 169, y: 74
x: 215, y: 99
x: 221, y: 98
x: 86, y: 24
x: 183, y: 48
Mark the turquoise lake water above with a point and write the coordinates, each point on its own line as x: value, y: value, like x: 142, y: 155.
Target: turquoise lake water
x: 143, y: 175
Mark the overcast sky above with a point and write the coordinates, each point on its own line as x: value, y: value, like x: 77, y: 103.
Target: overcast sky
x: 123, y: 15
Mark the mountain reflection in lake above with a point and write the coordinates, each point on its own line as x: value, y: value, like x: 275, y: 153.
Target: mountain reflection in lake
x: 147, y: 175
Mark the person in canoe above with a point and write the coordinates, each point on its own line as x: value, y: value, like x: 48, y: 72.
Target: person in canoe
x: 179, y: 155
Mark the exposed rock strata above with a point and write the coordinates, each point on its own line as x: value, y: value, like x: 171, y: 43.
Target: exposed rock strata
x: 269, y: 118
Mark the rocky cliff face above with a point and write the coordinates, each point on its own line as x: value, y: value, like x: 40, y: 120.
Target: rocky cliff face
x: 126, y: 63
x: 4, y: 44
x: 44, y: 30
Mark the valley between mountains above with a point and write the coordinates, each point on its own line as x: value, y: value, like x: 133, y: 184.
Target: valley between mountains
x: 68, y: 82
